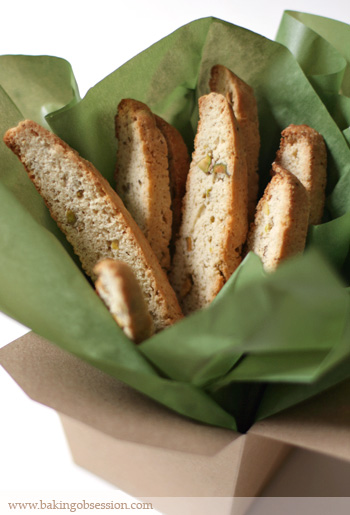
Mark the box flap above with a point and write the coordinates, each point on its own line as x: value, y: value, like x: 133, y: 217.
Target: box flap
x: 143, y: 470
x: 320, y: 424
x: 239, y: 469
x: 57, y: 379
x: 65, y: 383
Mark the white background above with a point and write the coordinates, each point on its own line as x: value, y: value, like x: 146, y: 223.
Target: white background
x: 96, y: 38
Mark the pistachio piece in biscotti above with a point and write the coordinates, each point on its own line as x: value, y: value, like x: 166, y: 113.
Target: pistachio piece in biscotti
x: 70, y: 217
x: 204, y: 164
x: 220, y: 168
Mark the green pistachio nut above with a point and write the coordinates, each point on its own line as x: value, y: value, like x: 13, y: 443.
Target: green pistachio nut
x: 220, y: 168
x: 70, y: 217
x: 204, y: 164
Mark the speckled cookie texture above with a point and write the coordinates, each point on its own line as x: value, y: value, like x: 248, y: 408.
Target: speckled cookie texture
x: 244, y: 105
x: 142, y: 174
x: 214, y: 223
x: 303, y: 152
x: 91, y: 214
x: 281, y: 220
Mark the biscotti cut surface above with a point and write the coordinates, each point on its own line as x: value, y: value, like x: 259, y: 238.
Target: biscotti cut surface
x: 91, y: 214
x: 281, y: 221
x: 303, y: 152
x: 142, y: 176
x: 118, y: 288
x: 179, y: 163
x: 243, y: 101
x: 214, y: 223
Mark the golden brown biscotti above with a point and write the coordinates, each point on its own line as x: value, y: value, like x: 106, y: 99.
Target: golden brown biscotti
x: 179, y: 164
x: 118, y: 288
x: 281, y: 220
x: 303, y: 152
x: 91, y: 214
x: 214, y: 219
x: 243, y: 101
x: 142, y: 176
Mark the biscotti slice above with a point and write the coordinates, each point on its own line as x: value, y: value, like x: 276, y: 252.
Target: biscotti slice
x: 179, y: 164
x: 214, y: 219
x: 118, y: 288
x: 281, y: 220
x: 243, y: 101
x: 142, y: 176
x: 303, y: 152
x: 91, y: 214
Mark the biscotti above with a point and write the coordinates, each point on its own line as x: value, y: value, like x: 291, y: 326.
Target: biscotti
x: 91, y: 214
x: 303, y: 152
x: 214, y: 220
x: 179, y: 163
x: 118, y: 288
x: 244, y: 104
x: 142, y: 175
x: 281, y: 220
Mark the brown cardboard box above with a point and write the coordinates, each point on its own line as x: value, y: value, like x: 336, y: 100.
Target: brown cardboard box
x: 162, y: 453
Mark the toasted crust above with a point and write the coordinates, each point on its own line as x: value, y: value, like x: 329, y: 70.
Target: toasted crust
x: 303, y: 152
x: 214, y: 224
x: 179, y: 164
x: 281, y: 220
x: 118, y: 288
x: 142, y: 176
x: 91, y: 214
x: 243, y: 101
